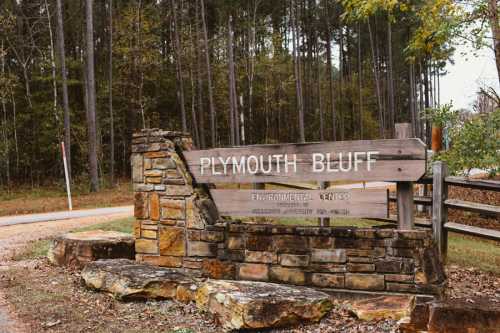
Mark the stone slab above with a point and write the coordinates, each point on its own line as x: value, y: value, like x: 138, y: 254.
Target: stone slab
x: 128, y: 280
x: 77, y: 249
x: 240, y: 305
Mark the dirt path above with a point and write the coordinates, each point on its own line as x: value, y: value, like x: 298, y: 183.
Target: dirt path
x: 13, y: 237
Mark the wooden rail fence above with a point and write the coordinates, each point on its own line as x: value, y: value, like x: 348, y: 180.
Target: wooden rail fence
x: 440, y: 204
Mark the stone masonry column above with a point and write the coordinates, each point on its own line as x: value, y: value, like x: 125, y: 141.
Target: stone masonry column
x: 174, y: 219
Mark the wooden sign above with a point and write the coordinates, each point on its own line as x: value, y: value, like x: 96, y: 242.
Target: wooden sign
x: 306, y: 203
x: 373, y: 160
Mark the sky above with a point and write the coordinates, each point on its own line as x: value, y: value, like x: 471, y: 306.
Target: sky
x: 468, y: 73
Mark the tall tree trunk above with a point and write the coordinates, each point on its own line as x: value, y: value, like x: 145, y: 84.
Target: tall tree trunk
x: 232, y: 125
x: 341, y: 83
x: 495, y: 32
x: 360, y: 85
x: 178, y: 62
x: 390, y: 78
x: 377, y: 83
x: 91, y: 114
x: 213, y: 119
x: 110, y: 99
x: 329, y: 68
x: 3, y: 96
x: 53, y: 66
x: 64, y: 83
x: 298, y: 79
x: 199, y: 84
x: 232, y: 82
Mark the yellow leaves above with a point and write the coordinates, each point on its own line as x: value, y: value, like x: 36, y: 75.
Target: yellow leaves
x: 436, y: 21
x: 362, y: 9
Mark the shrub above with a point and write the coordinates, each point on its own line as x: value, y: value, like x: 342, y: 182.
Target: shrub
x: 475, y: 143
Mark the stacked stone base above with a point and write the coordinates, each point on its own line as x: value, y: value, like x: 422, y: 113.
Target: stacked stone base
x: 338, y: 258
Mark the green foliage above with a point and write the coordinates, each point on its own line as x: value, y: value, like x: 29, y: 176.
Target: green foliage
x: 475, y: 143
x: 442, y: 117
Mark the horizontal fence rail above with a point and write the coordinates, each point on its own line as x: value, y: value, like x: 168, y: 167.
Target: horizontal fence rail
x: 441, y: 203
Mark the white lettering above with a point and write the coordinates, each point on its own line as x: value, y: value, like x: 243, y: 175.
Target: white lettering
x: 238, y: 167
x: 293, y: 163
x: 256, y: 164
x: 369, y: 160
x: 357, y: 160
x: 204, y: 163
x: 341, y: 163
x: 318, y: 162
x: 278, y: 158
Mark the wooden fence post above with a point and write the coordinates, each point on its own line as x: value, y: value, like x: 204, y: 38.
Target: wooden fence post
x: 324, y: 221
x: 404, y: 190
x: 439, y: 211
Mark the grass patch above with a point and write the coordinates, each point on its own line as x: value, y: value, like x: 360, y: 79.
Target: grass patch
x: 467, y: 251
x: 122, y: 225
x: 53, y: 198
x: 33, y: 250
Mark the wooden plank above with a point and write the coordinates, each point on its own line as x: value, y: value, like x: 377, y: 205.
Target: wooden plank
x: 404, y: 190
x: 323, y: 221
x: 298, y: 186
x: 367, y: 160
x: 473, y: 207
x: 421, y: 200
x: 425, y: 180
x: 419, y: 222
x: 439, y: 211
x: 474, y: 231
x: 306, y: 203
x: 481, y: 184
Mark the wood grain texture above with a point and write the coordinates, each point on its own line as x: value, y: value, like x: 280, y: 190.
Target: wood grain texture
x: 397, y: 160
x: 305, y: 203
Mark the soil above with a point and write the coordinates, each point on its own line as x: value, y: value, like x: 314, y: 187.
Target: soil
x: 54, y: 299
x: 13, y: 238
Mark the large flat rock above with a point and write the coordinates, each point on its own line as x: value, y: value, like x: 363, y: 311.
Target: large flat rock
x: 471, y: 315
x: 383, y: 307
x: 129, y: 280
x: 259, y: 305
x: 77, y: 249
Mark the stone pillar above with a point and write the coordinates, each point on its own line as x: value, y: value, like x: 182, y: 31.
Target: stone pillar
x: 174, y: 220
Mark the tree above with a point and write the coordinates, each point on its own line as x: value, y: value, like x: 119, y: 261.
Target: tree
x: 91, y: 98
x: 64, y: 82
x: 110, y: 84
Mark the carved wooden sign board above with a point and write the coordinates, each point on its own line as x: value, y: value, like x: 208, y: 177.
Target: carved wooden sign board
x: 306, y: 203
x: 366, y: 160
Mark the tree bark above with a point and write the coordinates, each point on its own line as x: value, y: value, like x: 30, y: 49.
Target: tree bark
x: 298, y: 79
x: 178, y: 62
x: 64, y: 83
x: 360, y: 85
x: 53, y: 66
x: 495, y: 32
x: 329, y: 68
x: 110, y: 99
x: 390, y: 77
x: 91, y: 114
x: 377, y: 83
x: 213, y: 119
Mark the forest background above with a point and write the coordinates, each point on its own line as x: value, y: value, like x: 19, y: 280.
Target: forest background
x: 230, y: 72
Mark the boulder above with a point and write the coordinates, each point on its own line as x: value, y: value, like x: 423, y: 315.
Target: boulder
x: 260, y: 305
x: 128, y: 280
x: 77, y: 249
x: 476, y: 314
x: 463, y: 316
x: 383, y: 307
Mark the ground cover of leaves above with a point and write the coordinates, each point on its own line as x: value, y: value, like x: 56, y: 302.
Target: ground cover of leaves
x: 53, y: 299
